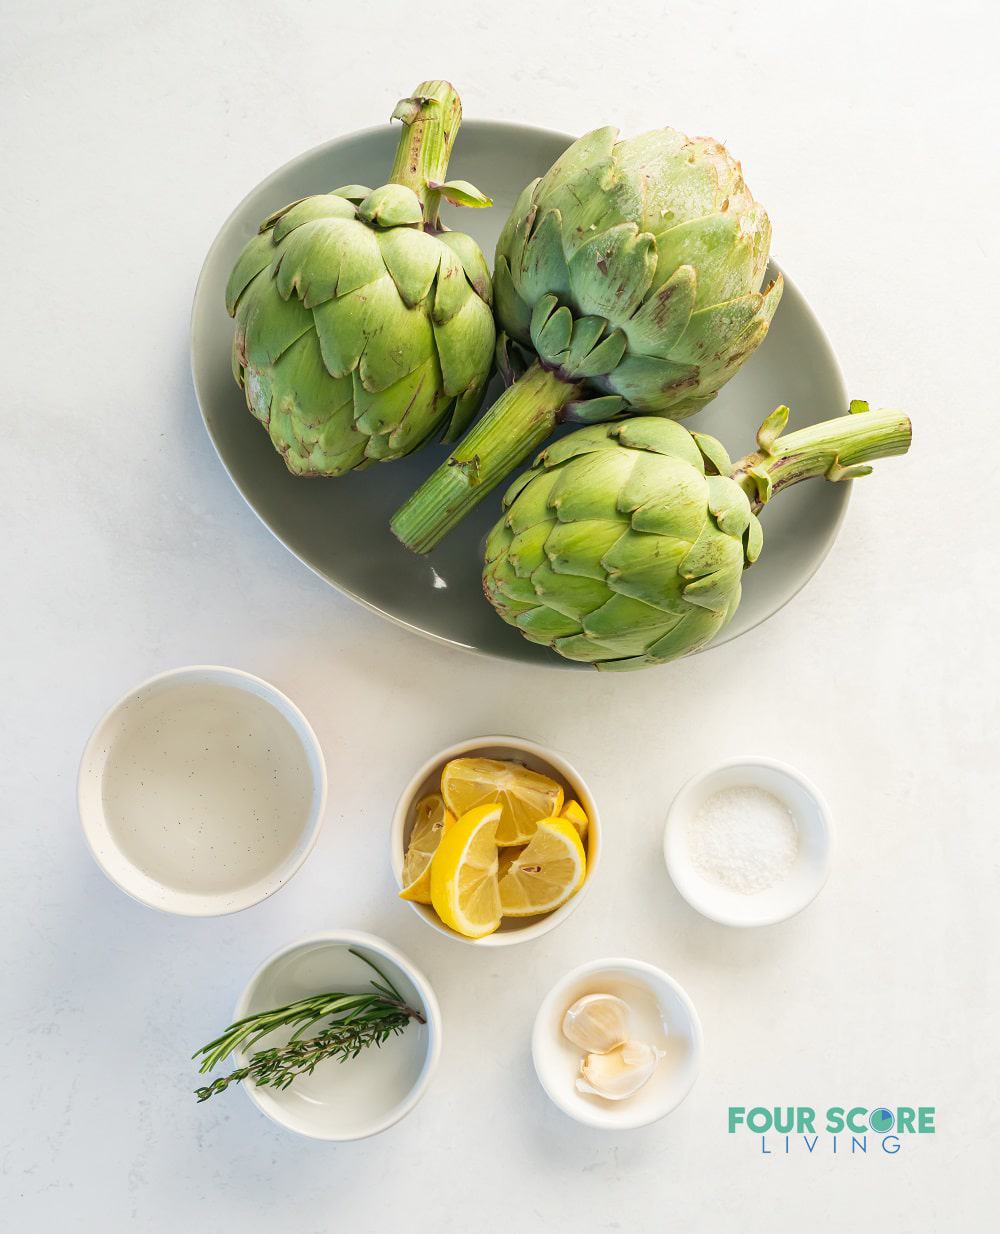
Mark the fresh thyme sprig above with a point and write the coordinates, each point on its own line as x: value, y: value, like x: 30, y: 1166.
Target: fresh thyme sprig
x: 357, y: 1021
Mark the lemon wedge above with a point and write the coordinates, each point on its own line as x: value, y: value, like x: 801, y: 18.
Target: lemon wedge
x: 547, y: 873
x: 464, y: 887
x: 577, y: 816
x: 431, y: 821
x: 525, y: 796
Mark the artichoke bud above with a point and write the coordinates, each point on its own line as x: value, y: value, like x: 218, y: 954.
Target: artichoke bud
x: 657, y: 238
x: 362, y: 326
x: 617, y: 549
x: 620, y: 549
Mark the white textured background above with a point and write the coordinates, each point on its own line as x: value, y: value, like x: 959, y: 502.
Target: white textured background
x: 870, y: 131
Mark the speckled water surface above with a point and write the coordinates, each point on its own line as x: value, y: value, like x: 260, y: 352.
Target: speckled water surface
x: 206, y: 787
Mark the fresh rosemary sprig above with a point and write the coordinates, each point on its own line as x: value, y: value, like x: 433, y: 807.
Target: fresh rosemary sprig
x: 357, y: 1021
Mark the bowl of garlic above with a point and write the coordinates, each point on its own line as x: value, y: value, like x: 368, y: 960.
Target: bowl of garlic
x: 617, y: 1044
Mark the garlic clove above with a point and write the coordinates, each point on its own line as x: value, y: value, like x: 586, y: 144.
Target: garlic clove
x: 620, y: 1073
x: 597, y: 1023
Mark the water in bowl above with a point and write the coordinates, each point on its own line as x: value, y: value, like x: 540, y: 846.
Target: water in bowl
x: 206, y: 787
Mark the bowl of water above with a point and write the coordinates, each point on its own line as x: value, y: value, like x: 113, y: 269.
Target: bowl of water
x: 202, y: 791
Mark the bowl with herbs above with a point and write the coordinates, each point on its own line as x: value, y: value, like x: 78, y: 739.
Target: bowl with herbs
x: 495, y: 840
x: 336, y: 1037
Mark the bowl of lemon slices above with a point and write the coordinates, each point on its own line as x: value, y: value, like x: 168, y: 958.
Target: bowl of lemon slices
x: 495, y: 840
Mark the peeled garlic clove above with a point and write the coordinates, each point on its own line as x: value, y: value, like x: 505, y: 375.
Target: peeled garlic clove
x: 620, y: 1073
x: 597, y: 1023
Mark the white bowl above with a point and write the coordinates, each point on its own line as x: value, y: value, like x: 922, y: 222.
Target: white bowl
x: 202, y: 791
x: 812, y: 864
x: 662, y: 1016
x: 538, y: 758
x: 364, y: 1095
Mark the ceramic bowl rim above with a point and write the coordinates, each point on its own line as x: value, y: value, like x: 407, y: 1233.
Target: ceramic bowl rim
x: 705, y: 905
x: 649, y: 975
x: 545, y: 754
x: 93, y: 821
x: 429, y: 1002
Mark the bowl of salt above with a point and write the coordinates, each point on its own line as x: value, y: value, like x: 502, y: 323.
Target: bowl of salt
x: 748, y: 842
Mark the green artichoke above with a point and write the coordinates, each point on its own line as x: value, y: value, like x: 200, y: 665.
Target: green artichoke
x: 631, y: 274
x: 625, y: 544
x: 362, y: 325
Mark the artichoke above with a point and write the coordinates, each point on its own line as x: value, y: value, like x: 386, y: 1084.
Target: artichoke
x: 625, y: 544
x: 631, y: 274
x: 362, y: 325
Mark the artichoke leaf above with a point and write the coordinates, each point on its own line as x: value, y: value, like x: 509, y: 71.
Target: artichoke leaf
x: 322, y: 206
x: 552, y: 340
x: 729, y: 505
x: 698, y: 627
x: 612, y: 271
x: 587, y: 332
x: 473, y: 262
x: 461, y: 193
x: 326, y: 258
x: 398, y: 339
x: 300, y: 387
x: 405, y: 412
x: 392, y: 205
x: 543, y: 624
x: 257, y: 255
x: 714, y: 453
x: 463, y: 409
x: 465, y: 345
x: 645, y: 567
x: 714, y: 247
x: 451, y: 289
x: 660, y: 321
x: 666, y: 497
x: 604, y: 358
x: 591, y: 488
x: 659, y: 437
x: 594, y: 410
x: 542, y: 267
x: 568, y: 594
x: 578, y: 548
x: 510, y: 308
x: 592, y: 439
x: 651, y: 385
x: 629, y: 625
x: 412, y: 258
x: 268, y: 324
x: 353, y: 192
x: 528, y: 548
x: 534, y: 490
x: 711, y: 331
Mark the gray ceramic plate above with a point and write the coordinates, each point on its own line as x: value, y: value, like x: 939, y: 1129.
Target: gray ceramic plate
x: 340, y: 528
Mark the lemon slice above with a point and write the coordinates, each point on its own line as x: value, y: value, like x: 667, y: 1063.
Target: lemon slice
x: 577, y: 816
x: 526, y: 796
x: 464, y: 889
x: 431, y: 821
x: 547, y: 873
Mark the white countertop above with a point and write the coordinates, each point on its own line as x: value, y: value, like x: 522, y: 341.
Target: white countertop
x: 130, y: 131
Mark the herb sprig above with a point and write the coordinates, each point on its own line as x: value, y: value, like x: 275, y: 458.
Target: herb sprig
x: 357, y: 1021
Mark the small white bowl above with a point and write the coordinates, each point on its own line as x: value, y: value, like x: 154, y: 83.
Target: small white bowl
x: 364, y: 1095
x: 662, y: 1015
x: 792, y: 893
x: 515, y: 749
x: 202, y: 791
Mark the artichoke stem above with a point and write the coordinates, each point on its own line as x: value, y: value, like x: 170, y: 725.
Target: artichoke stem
x: 837, y: 449
x: 518, y: 422
x: 431, y: 118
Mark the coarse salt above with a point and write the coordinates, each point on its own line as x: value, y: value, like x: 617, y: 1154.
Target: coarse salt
x: 744, y: 838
